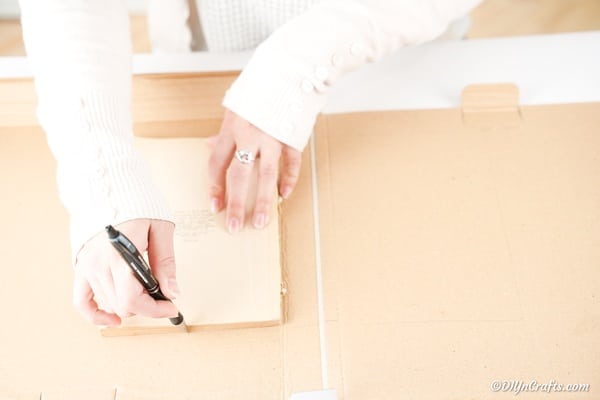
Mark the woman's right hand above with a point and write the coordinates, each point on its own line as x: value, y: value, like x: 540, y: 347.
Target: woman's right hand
x: 105, y: 289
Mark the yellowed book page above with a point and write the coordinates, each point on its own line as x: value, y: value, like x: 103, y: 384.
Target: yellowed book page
x: 225, y: 280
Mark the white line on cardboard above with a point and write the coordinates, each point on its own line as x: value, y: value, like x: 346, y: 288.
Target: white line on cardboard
x: 318, y: 266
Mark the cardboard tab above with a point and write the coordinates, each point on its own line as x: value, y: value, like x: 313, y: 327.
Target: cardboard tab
x: 488, y: 105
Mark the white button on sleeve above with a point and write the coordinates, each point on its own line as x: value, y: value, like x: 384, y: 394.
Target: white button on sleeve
x: 307, y: 86
x: 357, y: 49
x: 337, y: 60
x: 100, y: 172
x: 321, y: 73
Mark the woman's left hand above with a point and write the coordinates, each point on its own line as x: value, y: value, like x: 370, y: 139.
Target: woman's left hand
x: 239, y: 135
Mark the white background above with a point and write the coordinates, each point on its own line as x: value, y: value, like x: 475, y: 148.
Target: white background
x: 9, y: 9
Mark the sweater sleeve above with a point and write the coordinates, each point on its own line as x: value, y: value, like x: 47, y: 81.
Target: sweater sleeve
x: 284, y: 86
x: 80, y: 53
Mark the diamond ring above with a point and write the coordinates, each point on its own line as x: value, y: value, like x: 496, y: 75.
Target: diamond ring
x: 245, y: 156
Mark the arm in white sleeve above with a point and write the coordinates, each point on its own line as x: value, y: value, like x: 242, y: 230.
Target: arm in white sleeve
x: 80, y: 53
x: 284, y: 86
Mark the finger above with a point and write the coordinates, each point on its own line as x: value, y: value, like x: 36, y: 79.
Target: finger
x: 162, y: 257
x: 104, y: 288
x: 99, y: 296
x: 124, y: 287
x: 127, y: 290
x: 133, y: 299
x: 148, y: 307
x: 218, y: 163
x: 238, y: 182
x: 83, y: 300
x: 268, y: 167
x: 290, y: 171
x: 89, y: 268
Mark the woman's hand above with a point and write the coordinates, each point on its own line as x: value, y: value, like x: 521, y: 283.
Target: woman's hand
x: 105, y: 289
x: 237, y: 134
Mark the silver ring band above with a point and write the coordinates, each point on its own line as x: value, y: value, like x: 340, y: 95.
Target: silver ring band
x: 245, y: 156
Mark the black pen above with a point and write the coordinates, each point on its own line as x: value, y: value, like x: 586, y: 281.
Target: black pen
x: 140, y: 268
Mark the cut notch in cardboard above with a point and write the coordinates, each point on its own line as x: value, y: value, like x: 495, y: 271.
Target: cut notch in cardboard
x: 489, y: 105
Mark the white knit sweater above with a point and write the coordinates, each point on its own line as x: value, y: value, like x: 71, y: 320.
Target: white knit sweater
x: 81, y: 54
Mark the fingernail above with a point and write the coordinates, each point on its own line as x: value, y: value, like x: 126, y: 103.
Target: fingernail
x: 214, y: 205
x: 259, y: 221
x: 285, y: 193
x: 174, y: 287
x: 234, y: 225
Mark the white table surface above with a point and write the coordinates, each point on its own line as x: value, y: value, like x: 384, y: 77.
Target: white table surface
x: 558, y: 68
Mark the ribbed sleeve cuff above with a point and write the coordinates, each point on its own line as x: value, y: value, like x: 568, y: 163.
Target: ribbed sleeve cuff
x: 280, y: 96
x: 102, y: 178
x: 109, y: 192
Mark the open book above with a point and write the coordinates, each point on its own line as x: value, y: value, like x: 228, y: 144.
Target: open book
x: 225, y: 280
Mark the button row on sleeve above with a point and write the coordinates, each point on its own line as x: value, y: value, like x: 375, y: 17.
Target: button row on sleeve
x: 100, y: 171
x: 356, y: 49
x: 321, y: 72
x: 317, y: 81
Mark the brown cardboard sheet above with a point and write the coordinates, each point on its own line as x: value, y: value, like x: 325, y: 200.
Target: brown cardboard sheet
x: 45, y: 346
x: 458, y: 254
x: 456, y: 251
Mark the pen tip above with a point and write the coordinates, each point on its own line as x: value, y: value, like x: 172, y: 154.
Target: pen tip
x: 112, y: 232
x: 178, y: 320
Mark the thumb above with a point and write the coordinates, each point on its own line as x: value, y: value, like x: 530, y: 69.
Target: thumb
x: 162, y: 256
